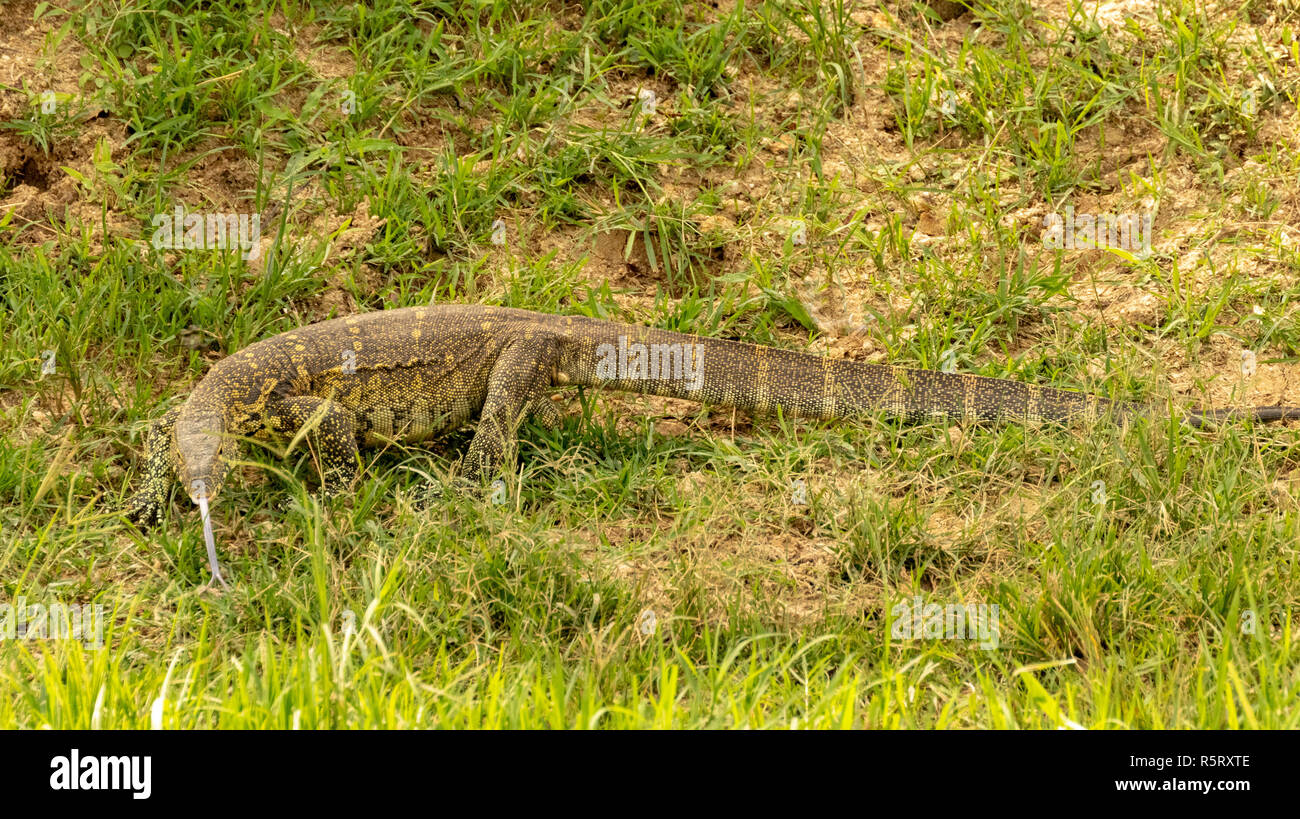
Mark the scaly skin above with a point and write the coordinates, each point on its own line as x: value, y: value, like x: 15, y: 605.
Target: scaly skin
x: 406, y: 375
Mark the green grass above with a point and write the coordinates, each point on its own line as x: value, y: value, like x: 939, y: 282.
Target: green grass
x: 647, y: 564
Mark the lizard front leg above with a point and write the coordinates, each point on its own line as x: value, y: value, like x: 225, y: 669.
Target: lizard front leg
x: 145, y: 508
x: 516, y: 387
x: 331, y: 433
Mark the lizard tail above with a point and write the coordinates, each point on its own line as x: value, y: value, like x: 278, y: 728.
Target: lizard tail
x: 1203, y: 417
x: 766, y: 379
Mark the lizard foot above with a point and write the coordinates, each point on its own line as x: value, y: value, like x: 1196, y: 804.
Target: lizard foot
x: 144, y: 509
x: 332, y: 487
x: 431, y: 493
x: 289, y: 502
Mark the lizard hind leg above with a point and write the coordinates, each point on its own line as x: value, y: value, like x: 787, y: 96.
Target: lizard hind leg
x: 517, y: 387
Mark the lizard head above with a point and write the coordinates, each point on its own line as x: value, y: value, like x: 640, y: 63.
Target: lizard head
x: 201, y: 445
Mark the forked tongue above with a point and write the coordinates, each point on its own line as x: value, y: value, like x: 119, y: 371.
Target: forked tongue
x: 201, y: 495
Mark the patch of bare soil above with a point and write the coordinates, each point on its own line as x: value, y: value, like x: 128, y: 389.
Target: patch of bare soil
x: 36, y: 185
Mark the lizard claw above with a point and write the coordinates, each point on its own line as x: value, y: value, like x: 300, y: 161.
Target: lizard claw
x: 144, y: 510
x: 334, y: 486
x: 431, y: 493
x: 428, y: 495
x: 330, y: 489
x: 287, y: 502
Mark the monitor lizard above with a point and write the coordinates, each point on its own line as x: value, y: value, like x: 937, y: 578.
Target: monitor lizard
x: 408, y: 374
